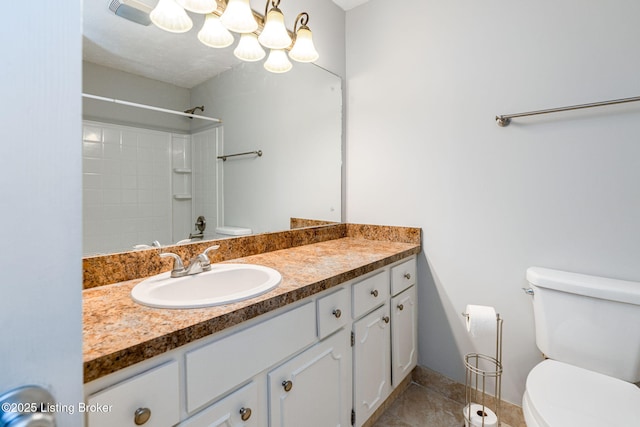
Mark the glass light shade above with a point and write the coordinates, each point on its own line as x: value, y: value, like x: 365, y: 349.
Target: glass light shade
x: 169, y: 16
x: 275, y: 34
x: 238, y: 17
x: 199, y: 6
x: 249, y: 49
x: 303, y: 50
x: 277, y: 62
x: 213, y: 33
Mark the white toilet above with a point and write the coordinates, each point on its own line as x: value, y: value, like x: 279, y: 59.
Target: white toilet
x: 589, y: 328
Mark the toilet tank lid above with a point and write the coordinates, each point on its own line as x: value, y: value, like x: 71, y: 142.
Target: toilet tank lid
x: 582, y: 284
x: 229, y: 230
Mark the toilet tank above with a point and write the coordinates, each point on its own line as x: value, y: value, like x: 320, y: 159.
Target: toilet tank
x: 588, y: 321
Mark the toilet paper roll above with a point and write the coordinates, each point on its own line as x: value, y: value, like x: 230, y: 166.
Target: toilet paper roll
x: 478, y: 414
x: 481, y: 321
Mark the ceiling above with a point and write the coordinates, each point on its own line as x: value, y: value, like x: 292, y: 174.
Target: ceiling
x: 179, y: 59
x: 349, y: 4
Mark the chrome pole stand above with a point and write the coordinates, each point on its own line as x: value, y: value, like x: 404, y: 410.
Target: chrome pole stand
x: 483, y: 375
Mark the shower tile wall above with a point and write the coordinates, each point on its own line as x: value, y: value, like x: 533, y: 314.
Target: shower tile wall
x: 183, y: 221
x: 126, y: 187
x: 207, y: 178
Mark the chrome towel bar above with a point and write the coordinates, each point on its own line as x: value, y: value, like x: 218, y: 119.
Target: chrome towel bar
x: 505, y: 119
x: 257, y: 152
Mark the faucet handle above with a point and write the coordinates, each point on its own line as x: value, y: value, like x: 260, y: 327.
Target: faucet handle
x: 210, y: 248
x: 177, y: 261
x: 205, y: 262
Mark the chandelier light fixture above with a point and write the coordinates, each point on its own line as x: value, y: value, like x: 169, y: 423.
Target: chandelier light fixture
x: 256, y: 31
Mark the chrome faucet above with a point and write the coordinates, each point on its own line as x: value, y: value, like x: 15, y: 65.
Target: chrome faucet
x: 197, y: 264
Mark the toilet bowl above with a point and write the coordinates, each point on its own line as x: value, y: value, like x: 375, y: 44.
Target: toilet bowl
x: 588, y: 328
x: 562, y: 395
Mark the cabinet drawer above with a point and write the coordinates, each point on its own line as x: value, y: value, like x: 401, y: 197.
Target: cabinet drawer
x: 370, y: 293
x: 333, y: 312
x: 238, y: 409
x: 219, y: 366
x: 156, y: 390
x: 402, y: 276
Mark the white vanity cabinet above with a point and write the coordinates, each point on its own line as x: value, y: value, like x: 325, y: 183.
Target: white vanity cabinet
x: 150, y: 398
x: 328, y: 360
x: 385, y: 339
x: 240, y: 409
x: 404, y: 336
x: 216, y: 368
x: 404, y: 320
x: 371, y: 363
x: 371, y: 338
x: 314, y: 388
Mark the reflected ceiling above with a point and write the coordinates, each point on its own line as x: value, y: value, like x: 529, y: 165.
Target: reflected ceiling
x: 179, y: 59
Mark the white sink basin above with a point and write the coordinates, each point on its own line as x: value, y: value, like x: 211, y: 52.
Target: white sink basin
x: 223, y: 284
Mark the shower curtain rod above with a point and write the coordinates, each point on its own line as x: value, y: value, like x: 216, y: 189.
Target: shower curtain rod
x: 149, y: 107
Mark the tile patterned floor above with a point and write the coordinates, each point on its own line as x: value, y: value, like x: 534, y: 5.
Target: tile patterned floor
x: 421, y: 407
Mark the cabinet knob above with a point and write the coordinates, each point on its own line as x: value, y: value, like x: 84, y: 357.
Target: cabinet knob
x: 337, y: 312
x: 386, y: 319
x: 407, y: 276
x: 374, y: 293
x: 245, y: 413
x: 141, y: 416
x: 287, y: 385
x: 400, y: 307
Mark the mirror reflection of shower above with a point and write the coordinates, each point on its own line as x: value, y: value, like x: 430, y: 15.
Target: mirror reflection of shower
x: 201, y: 225
x: 139, y: 182
x: 194, y: 109
x: 148, y: 175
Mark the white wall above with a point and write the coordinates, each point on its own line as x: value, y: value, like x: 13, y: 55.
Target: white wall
x: 112, y: 83
x: 327, y: 23
x: 295, y: 119
x: 40, y: 211
x: 425, y: 80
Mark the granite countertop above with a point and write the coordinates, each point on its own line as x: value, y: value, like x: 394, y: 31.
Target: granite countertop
x: 118, y: 332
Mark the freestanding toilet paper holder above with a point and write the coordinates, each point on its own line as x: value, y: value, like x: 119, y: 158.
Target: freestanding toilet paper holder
x: 483, y: 371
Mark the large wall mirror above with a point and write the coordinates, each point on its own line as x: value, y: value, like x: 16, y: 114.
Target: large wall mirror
x: 149, y: 175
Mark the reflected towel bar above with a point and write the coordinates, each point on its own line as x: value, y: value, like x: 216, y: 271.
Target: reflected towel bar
x: 505, y: 119
x: 257, y: 152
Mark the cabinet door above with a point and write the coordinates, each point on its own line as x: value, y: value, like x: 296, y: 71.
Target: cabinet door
x: 404, y: 337
x: 314, y: 388
x: 239, y: 409
x: 371, y: 363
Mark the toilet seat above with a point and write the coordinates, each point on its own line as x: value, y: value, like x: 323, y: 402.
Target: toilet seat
x: 562, y: 395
